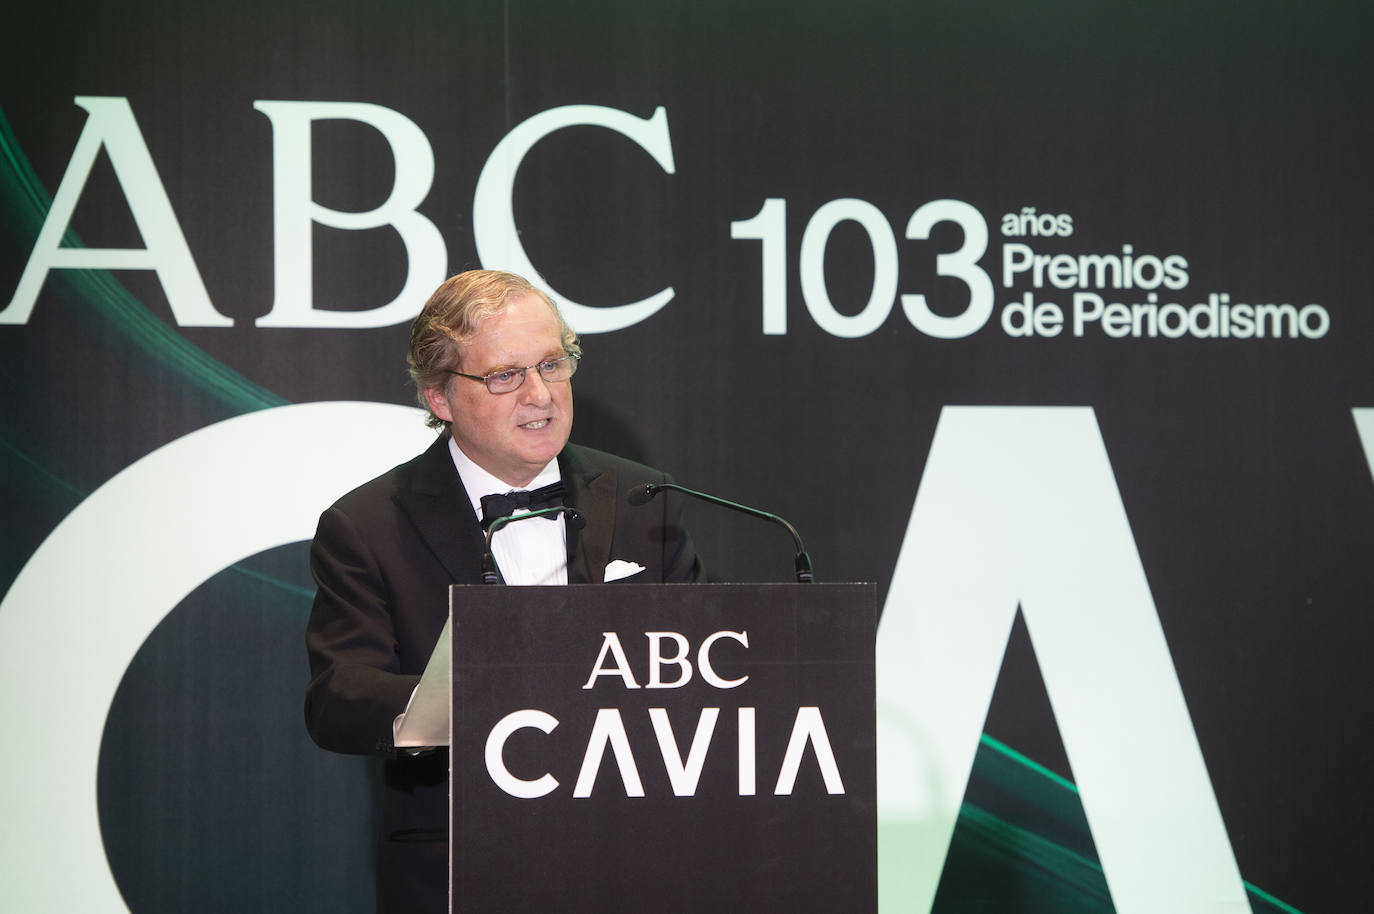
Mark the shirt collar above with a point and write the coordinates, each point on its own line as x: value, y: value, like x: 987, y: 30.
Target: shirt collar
x: 479, y: 482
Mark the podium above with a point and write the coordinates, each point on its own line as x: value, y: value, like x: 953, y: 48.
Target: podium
x: 663, y: 748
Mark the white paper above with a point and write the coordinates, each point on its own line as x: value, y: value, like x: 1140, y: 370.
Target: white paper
x: 425, y: 721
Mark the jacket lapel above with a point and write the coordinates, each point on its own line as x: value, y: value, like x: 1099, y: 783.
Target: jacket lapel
x: 592, y: 493
x: 439, y: 508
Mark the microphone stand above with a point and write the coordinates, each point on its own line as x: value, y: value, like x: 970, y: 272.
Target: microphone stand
x: 490, y: 574
x: 642, y: 494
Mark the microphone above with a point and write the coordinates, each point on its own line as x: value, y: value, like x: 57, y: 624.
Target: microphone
x: 489, y: 572
x: 643, y: 494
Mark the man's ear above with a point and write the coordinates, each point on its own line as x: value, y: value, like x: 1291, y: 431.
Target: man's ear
x: 438, y: 404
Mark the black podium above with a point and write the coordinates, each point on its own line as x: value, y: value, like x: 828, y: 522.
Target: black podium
x: 663, y: 748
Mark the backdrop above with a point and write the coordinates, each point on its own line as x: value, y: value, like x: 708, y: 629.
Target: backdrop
x: 1051, y: 319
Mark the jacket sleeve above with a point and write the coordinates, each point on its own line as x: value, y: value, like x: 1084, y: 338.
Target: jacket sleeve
x: 355, y: 689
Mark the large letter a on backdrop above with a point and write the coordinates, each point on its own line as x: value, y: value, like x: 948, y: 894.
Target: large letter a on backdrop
x: 1018, y: 506
x: 111, y: 125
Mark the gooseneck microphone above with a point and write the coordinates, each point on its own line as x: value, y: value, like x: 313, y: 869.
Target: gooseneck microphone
x: 489, y: 572
x: 643, y: 494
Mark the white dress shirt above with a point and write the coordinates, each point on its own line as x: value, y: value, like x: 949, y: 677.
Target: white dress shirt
x: 531, y: 552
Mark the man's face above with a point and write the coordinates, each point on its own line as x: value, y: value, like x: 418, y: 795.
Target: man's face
x: 514, y: 435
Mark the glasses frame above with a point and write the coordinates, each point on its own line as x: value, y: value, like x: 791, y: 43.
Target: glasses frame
x: 571, y: 358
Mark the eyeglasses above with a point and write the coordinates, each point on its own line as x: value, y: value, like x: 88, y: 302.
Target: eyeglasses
x: 509, y: 380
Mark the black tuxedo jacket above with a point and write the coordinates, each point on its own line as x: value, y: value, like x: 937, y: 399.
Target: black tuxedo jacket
x: 383, y: 558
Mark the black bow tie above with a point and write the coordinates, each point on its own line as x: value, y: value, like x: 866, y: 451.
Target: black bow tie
x: 494, y: 506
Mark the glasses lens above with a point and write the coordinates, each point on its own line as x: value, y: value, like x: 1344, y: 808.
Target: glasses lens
x: 558, y: 369
x: 503, y: 382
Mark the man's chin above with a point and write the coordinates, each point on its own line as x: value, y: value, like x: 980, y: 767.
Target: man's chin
x: 539, y: 453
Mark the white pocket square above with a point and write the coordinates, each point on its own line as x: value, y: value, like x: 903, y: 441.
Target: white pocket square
x: 621, y: 569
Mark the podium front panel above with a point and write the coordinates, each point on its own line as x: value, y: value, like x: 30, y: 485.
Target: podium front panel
x: 664, y: 748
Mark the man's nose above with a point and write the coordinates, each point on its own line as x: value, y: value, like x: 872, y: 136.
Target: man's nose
x: 535, y: 390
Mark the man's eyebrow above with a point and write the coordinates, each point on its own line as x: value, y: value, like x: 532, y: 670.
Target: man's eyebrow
x: 556, y: 353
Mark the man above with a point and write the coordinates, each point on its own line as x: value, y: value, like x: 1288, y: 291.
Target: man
x: 492, y: 360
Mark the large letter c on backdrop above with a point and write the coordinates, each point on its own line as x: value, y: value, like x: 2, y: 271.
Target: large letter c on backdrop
x: 111, y: 571
x: 493, y: 217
